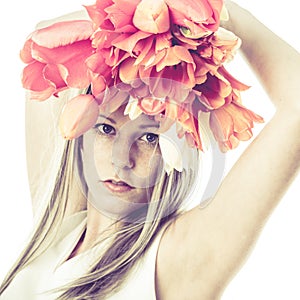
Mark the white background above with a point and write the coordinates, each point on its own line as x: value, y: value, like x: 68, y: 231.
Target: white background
x: 273, y: 269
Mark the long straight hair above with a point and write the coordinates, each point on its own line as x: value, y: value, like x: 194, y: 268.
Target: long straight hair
x: 130, y: 242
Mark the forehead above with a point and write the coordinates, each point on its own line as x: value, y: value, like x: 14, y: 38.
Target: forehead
x: 118, y: 118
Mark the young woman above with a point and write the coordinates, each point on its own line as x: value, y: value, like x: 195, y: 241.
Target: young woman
x: 114, y: 225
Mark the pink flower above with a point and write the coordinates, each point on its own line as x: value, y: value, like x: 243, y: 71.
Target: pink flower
x: 55, y: 58
x: 113, y: 15
x: 151, y: 106
x: 167, y: 55
x: 78, y: 116
x: 232, y: 123
x: 152, y: 16
x: 197, y: 18
x: 100, y: 74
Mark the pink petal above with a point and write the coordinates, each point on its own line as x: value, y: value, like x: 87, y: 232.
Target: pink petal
x: 113, y: 99
x: 127, y: 42
x: 63, y: 33
x: 144, y: 51
x: 234, y: 82
x: 128, y: 71
x: 25, y: 53
x: 170, y: 59
x: 97, y: 11
x: 78, y: 116
x: 98, y: 86
x: 121, y: 13
x: 198, y: 16
x: 231, y: 123
x: 160, y: 87
x: 163, y: 41
x: 51, y: 73
x: 104, y: 39
x: 152, y: 16
x: 61, y: 55
x: 221, y: 124
x: 174, y: 56
x: 151, y: 106
x: 33, y: 80
x: 75, y: 75
x: 70, y: 61
x: 198, y: 11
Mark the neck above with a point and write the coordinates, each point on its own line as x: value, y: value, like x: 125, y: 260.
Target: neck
x: 98, y: 225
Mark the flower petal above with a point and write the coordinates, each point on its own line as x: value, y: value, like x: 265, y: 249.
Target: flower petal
x: 231, y: 123
x: 170, y: 153
x: 128, y: 71
x: 152, y: 16
x: 120, y: 15
x: 151, y: 106
x: 132, y: 109
x: 33, y: 80
x: 78, y: 116
x: 198, y: 16
x: 25, y: 53
x: 63, y: 33
x: 97, y: 11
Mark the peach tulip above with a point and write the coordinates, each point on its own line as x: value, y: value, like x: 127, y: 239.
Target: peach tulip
x: 232, y: 123
x: 55, y: 58
x: 152, y: 16
x: 78, y: 116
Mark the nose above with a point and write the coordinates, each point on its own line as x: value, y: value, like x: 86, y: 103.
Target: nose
x: 121, y: 157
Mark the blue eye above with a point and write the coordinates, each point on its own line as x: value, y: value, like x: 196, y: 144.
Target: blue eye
x: 151, y: 138
x: 105, y: 129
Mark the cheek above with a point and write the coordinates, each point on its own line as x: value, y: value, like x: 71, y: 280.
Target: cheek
x: 102, y: 152
x: 148, y: 162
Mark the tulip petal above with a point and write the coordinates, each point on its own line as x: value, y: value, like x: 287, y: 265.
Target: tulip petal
x: 170, y: 153
x: 151, y: 106
x: 78, y: 116
x: 25, y: 53
x: 52, y: 73
x: 152, y: 16
x: 231, y: 123
x: 127, y: 42
x: 97, y: 11
x: 33, y: 80
x: 128, y: 71
x: 132, y: 109
x: 63, y: 33
x: 120, y: 14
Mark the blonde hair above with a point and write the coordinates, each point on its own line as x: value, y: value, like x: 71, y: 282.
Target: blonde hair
x: 129, y: 243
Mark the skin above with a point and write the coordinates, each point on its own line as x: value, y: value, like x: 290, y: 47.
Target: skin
x: 118, y: 149
x: 218, y: 239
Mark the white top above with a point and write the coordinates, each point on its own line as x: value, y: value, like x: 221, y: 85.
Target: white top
x: 52, y: 270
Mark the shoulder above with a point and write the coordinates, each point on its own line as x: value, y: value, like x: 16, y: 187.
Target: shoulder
x: 184, y: 265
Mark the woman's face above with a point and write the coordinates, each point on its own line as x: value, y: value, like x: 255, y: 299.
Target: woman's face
x: 121, y: 161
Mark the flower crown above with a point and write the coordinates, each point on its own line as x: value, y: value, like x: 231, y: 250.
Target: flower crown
x: 167, y: 55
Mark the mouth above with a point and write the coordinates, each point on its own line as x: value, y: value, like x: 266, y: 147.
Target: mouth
x: 117, y: 186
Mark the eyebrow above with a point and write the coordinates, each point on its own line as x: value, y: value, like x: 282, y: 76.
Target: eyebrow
x: 109, y: 119
x: 143, y: 126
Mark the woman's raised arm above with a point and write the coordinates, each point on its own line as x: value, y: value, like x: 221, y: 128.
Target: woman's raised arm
x: 275, y: 63
x: 217, y: 239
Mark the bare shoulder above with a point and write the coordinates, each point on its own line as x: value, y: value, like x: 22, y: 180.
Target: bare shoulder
x: 184, y: 267
x: 204, y: 248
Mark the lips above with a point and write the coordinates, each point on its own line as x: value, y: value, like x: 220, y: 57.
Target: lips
x: 117, y: 186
